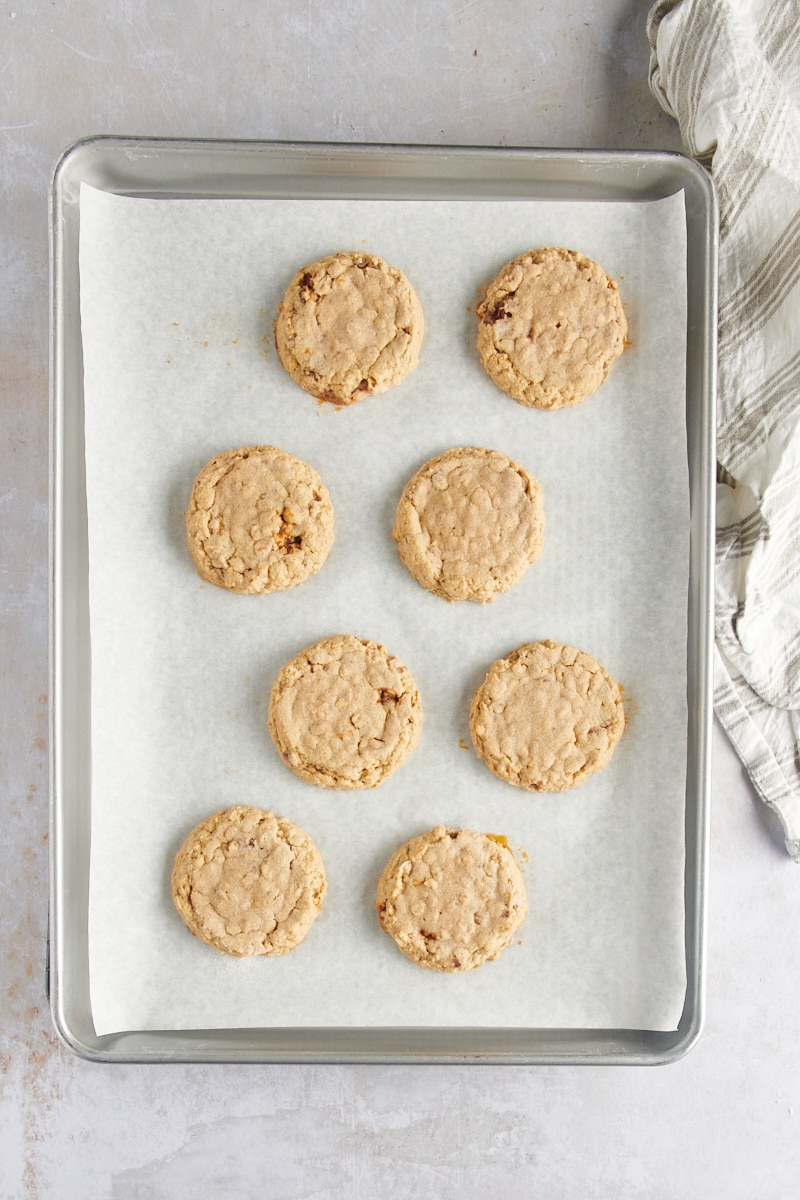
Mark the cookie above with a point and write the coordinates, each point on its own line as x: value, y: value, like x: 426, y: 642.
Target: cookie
x: 547, y: 717
x: 258, y: 520
x: 469, y: 524
x: 550, y: 326
x: 349, y: 326
x: 247, y: 882
x: 344, y: 713
x: 452, y: 899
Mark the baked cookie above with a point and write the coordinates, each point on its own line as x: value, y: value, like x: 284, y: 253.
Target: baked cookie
x: 344, y: 713
x: 550, y: 326
x: 258, y: 520
x: 547, y: 717
x: 451, y: 898
x: 247, y: 882
x: 349, y: 326
x: 469, y: 524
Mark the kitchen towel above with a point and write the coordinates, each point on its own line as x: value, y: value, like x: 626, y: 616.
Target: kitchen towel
x: 729, y: 72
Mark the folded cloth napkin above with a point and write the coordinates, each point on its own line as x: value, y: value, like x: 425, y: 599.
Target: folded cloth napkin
x: 729, y: 72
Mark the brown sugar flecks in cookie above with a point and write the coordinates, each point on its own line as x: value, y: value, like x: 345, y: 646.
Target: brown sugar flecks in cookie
x: 247, y: 882
x: 344, y: 713
x: 469, y: 524
x: 258, y: 520
x: 452, y: 898
x: 547, y: 717
x: 550, y: 326
x: 349, y: 326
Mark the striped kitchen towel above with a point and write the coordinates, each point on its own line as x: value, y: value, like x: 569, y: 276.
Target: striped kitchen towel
x: 729, y: 72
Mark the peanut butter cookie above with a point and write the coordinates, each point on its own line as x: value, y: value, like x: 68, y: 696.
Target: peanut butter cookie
x: 258, y: 520
x: 247, y: 882
x: 349, y: 326
x: 452, y: 898
x: 550, y: 326
x: 547, y: 717
x: 469, y: 524
x: 344, y: 713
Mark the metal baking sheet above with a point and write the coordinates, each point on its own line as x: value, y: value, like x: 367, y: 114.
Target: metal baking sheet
x: 257, y: 170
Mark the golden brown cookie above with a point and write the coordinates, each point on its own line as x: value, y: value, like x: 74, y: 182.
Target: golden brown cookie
x: 247, y: 882
x: 258, y: 520
x: 550, y: 326
x: 451, y: 898
x: 349, y: 326
x: 547, y: 717
x: 344, y: 713
x: 469, y: 524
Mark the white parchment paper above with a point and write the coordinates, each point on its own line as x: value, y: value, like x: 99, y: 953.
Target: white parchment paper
x: 177, y: 304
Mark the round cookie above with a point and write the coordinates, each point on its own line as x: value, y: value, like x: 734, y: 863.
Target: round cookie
x: 349, y: 326
x: 344, y: 713
x: 469, y: 524
x: 451, y: 899
x: 258, y: 520
x: 547, y: 717
x: 247, y: 882
x: 550, y: 326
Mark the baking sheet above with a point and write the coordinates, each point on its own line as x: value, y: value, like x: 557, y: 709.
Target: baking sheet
x: 177, y: 302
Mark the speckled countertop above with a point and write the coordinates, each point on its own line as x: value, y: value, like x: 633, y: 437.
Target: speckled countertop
x: 723, y: 1121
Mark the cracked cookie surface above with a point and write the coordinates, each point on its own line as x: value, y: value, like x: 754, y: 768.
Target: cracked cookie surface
x: 469, y: 523
x: 247, y: 882
x: 344, y: 713
x: 259, y: 520
x: 550, y: 326
x: 451, y: 898
x: 547, y: 717
x: 349, y: 326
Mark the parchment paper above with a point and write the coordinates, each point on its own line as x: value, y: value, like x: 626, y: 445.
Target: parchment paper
x: 177, y: 304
